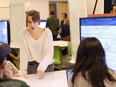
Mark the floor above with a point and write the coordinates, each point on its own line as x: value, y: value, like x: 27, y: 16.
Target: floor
x: 65, y: 64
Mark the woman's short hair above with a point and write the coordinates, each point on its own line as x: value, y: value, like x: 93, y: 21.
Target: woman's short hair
x: 35, y: 15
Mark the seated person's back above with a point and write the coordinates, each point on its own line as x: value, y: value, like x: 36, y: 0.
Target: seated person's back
x: 90, y: 68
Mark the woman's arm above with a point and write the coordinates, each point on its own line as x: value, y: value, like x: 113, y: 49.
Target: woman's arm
x: 23, y: 53
x: 48, y: 52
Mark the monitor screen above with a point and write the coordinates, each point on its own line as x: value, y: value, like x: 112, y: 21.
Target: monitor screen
x: 4, y: 32
x: 42, y: 24
x: 104, y: 29
x: 68, y: 72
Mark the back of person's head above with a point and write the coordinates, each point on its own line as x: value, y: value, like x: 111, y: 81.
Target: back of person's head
x: 4, y: 51
x: 113, y: 8
x: 52, y: 12
x: 7, y: 82
x: 34, y: 14
x: 91, y: 63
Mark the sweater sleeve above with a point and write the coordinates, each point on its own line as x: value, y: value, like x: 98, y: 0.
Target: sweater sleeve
x: 24, y: 54
x: 48, y: 51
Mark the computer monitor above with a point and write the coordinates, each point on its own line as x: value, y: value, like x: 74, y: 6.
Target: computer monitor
x: 4, y: 32
x: 42, y: 24
x: 68, y: 72
x: 104, y: 29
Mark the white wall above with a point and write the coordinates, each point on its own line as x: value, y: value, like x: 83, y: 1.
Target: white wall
x: 99, y: 7
x: 41, y: 5
x: 77, y: 9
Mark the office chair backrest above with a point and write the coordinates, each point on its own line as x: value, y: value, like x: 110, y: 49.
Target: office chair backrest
x: 57, y: 55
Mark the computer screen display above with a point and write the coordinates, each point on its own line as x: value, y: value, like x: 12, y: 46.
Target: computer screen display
x: 104, y: 29
x: 68, y: 72
x: 42, y: 24
x: 4, y: 32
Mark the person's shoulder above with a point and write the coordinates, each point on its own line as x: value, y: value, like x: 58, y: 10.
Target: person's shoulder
x: 7, y: 82
x: 24, y: 31
x: 113, y: 73
x: 47, y: 30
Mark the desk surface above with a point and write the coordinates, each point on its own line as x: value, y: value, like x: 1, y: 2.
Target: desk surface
x: 55, y: 43
x: 60, y: 43
x: 51, y: 79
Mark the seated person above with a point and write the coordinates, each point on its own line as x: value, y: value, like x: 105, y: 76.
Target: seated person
x: 113, y: 8
x: 6, y: 75
x: 9, y: 69
x: 90, y: 68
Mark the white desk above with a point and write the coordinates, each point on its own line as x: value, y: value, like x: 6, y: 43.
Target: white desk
x: 51, y: 79
x: 55, y: 43
x: 14, y: 45
x: 60, y: 43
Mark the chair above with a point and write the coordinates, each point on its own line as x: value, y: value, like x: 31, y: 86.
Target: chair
x: 69, y: 50
x: 57, y: 55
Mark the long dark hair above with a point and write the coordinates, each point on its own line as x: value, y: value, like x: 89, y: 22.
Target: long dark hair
x: 91, y: 63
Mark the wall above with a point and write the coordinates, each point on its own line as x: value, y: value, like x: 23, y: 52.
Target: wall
x: 40, y: 5
x: 99, y: 7
x: 77, y: 9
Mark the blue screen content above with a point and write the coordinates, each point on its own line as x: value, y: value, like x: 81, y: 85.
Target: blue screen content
x: 104, y: 29
x: 3, y: 32
x: 68, y: 72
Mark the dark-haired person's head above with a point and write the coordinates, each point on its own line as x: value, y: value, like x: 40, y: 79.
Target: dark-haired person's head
x: 64, y: 15
x: 90, y: 52
x: 113, y: 8
x: 52, y: 12
x: 91, y: 63
x: 4, y: 51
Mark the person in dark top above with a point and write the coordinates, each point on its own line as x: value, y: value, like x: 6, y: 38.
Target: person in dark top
x: 53, y: 24
x: 6, y: 77
x: 65, y: 30
x: 64, y: 16
x: 113, y: 8
x: 8, y: 82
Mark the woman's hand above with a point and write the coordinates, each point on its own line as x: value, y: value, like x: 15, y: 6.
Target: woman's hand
x: 8, y: 74
x: 40, y: 74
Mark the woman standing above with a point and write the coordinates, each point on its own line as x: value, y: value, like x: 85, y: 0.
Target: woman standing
x: 36, y: 47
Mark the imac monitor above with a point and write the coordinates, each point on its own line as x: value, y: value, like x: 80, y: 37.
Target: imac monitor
x: 104, y: 29
x: 42, y: 24
x: 4, y: 32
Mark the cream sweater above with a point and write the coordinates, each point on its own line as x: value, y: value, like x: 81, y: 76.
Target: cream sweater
x: 40, y: 50
x: 81, y: 82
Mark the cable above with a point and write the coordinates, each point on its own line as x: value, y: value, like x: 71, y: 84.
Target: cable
x: 95, y: 6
